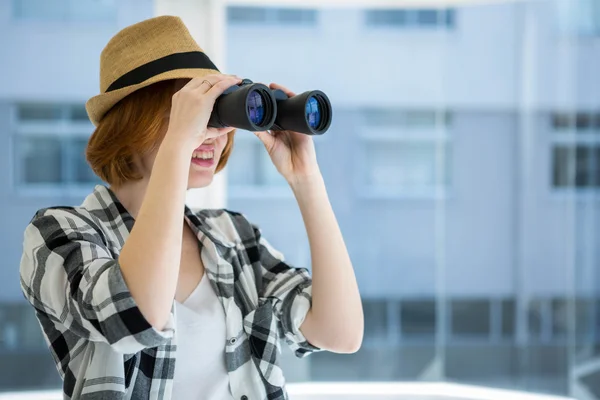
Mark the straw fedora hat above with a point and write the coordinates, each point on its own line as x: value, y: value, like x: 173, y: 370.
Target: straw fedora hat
x: 147, y: 52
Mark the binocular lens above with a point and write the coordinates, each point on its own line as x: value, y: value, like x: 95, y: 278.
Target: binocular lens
x: 313, y: 112
x: 256, y: 107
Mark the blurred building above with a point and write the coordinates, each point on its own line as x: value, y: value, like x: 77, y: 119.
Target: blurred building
x: 463, y: 165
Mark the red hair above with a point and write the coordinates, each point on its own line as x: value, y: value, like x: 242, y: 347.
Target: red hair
x: 135, y: 125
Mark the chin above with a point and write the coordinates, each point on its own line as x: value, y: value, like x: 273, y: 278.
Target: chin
x: 200, y: 178
x: 197, y: 182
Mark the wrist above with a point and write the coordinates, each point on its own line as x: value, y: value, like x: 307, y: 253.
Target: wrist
x: 302, y: 183
x: 174, y: 153
x: 176, y: 146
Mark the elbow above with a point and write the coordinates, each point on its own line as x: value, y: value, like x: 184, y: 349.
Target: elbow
x: 349, y: 345
x: 158, y: 322
x: 157, y: 317
x: 347, y: 342
x: 334, y: 336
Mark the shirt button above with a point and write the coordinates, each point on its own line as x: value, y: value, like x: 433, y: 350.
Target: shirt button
x: 232, y: 341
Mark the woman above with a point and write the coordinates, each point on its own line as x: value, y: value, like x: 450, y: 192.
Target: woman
x: 139, y: 297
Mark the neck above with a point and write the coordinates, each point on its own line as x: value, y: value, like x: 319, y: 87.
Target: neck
x: 131, y: 195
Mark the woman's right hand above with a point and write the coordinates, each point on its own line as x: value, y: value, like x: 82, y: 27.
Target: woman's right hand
x: 191, y: 108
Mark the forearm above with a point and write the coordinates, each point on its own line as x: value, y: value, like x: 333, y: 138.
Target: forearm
x: 335, y: 321
x: 151, y: 255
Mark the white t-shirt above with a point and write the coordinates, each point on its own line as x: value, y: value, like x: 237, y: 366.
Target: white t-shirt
x: 200, y: 371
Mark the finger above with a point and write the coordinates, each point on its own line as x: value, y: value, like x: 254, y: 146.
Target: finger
x: 266, y: 138
x: 197, y: 82
x: 217, y: 132
x: 219, y: 87
x: 208, y: 80
x: 288, y: 92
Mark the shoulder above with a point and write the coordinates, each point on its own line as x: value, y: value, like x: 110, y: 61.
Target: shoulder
x: 59, y: 223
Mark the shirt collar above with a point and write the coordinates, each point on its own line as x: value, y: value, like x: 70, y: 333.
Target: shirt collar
x: 104, y: 203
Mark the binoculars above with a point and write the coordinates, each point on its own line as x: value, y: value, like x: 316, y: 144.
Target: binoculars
x: 256, y: 107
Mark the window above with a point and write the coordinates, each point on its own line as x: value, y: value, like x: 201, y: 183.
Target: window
x: 537, y: 317
x: 580, y: 17
x: 411, y: 18
x: 65, y: 10
x: 508, y: 309
x: 19, y: 329
x: 418, y: 319
x: 376, y: 321
x: 581, y: 310
x: 405, y: 152
x: 576, y: 151
x: 250, y: 166
x: 49, y: 146
x: 271, y: 16
x: 470, y: 317
x: 551, y: 319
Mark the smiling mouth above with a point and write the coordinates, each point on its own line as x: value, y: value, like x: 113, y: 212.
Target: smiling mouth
x: 204, y: 154
x: 203, y: 158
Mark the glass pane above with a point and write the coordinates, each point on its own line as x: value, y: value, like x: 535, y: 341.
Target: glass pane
x: 450, y: 17
x: 79, y: 114
x: 51, y: 10
x: 376, y: 322
x: 92, y: 10
x: 296, y: 16
x: 40, y: 159
x: 580, y: 310
x: 241, y: 167
x: 562, y: 121
x: 404, y: 165
x: 596, y: 167
x: 583, y: 121
x: 471, y: 317
x: 573, y: 166
x: 508, y: 318
x: 422, y: 119
x: 267, y: 174
x: 386, y: 17
x: 535, y: 314
x: 576, y: 123
x: 429, y: 17
x: 82, y: 171
x: 418, y: 318
x: 246, y: 14
x: 384, y: 117
x: 39, y: 112
x: 65, y: 10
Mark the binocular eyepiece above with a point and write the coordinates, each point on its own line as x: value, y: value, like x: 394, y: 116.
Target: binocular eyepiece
x: 256, y: 107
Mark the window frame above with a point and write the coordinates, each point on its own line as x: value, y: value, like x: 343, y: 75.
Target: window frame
x: 436, y: 136
x: 472, y: 338
x: 273, y: 17
x: 63, y: 129
x: 67, y: 16
x: 412, y: 23
x: 572, y: 137
x: 252, y: 191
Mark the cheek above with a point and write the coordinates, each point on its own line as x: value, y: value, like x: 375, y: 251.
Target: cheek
x: 220, y: 143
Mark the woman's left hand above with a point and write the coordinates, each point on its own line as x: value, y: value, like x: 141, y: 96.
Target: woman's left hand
x: 292, y: 153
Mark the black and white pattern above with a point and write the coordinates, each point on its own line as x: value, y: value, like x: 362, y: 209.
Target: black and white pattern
x: 103, y: 346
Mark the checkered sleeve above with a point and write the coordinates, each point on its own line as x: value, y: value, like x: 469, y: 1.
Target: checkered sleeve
x: 292, y: 288
x: 68, y: 274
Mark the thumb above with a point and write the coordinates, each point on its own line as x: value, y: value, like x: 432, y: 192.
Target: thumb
x: 267, y: 139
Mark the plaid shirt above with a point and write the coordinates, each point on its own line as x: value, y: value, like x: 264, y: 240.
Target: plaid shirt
x: 102, y: 345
